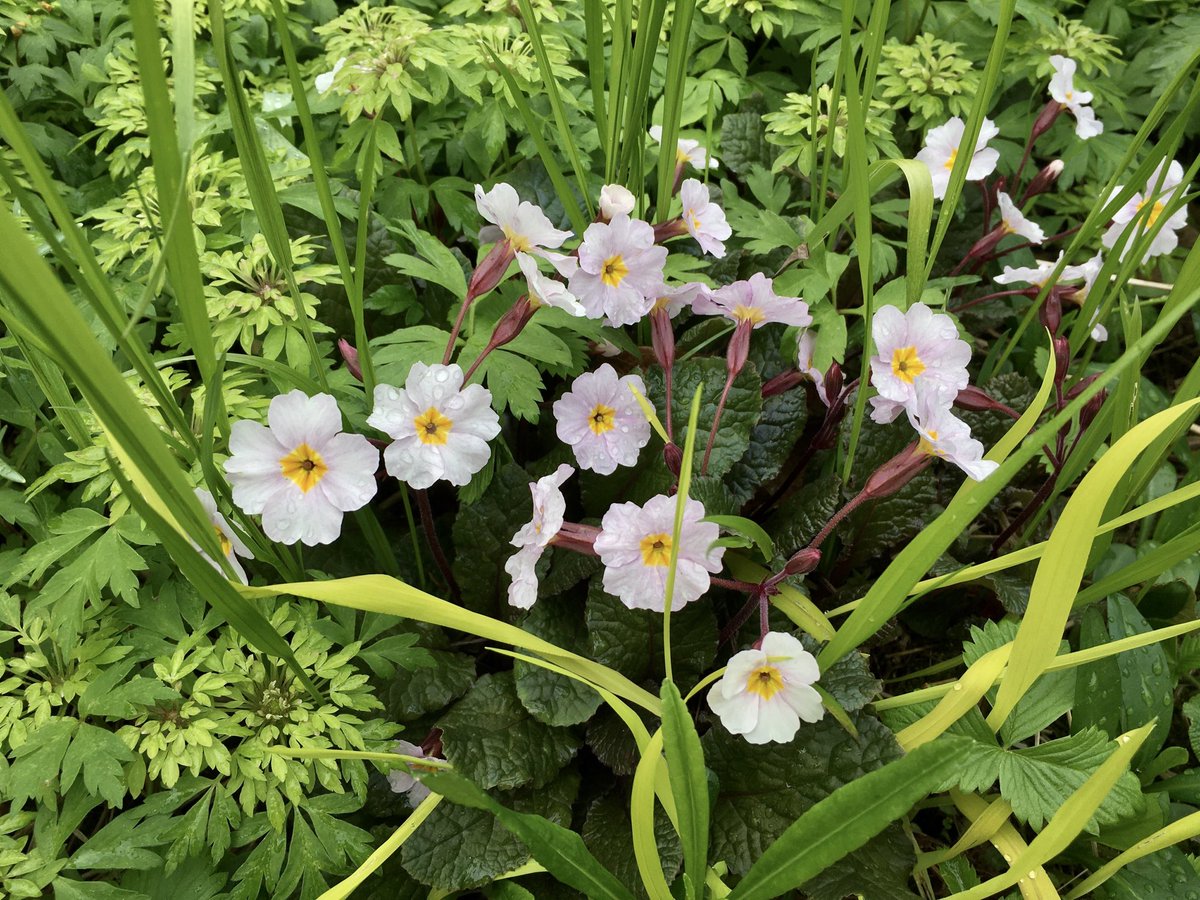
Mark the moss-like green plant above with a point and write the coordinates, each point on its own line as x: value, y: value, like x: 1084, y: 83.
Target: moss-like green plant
x: 930, y: 78
x: 792, y: 128
x: 1091, y: 49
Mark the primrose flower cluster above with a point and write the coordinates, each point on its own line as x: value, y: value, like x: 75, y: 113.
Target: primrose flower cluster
x: 302, y: 472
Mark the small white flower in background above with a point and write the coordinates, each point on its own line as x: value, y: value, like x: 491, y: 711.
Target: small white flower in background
x: 688, y: 151
x: 401, y: 782
x: 521, y: 223
x: 1167, y: 239
x: 606, y: 348
x: 531, y: 541
x: 944, y: 435
x: 324, y: 81
x: 440, y: 429
x: 1036, y: 276
x: 941, y: 152
x: 1014, y: 222
x: 620, y: 270
x: 301, y: 473
x: 753, y: 301
x: 704, y: 220
x: 601, y: 420
x: 765, y: 694
x: 1090, y: 271
x: 1062, y: 89
x: 635, y: 546
x: 547, y: 291
x: 616, y: 200
x: 913, y: 348
x: 805, y: 343
x: 680, y: 297
x: 231, y: 545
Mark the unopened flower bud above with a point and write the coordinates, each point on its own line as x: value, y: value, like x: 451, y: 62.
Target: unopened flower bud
x: 673, y: 457
x: 490, y: 272
x: 1081, y: 386
x: 1091, y: 409
x: 1062, y: 359
x: 976, y: 400
x: 782, y: 382
x: 834, y: 380
x: 739, y: 348
x: 896, y: 473
x: 350, y: 357
x: 987, y: 243
x: 662, y: 337
x: 615, y: 200
x: 1051, y: 311
x: 512, y: 323
x: 1043, y: 180
x: 1045, y: 119
x: 802, y: 562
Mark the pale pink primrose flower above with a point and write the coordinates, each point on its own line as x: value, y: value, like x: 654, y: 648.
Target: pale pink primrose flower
x: 914, y: 347
x: 753, y: 301
x: 1157, y: 198
x: 766, y: 693
x: 401, y: 781
x: 620, y: 270
x: 600, y: 419
x: 301, y: 473
x: 440, y: 429
x: 531, y: 541
x: 1062, y: 90
x: 944, y: 435
x: 941, y: 152
x: 704, y: 220
x: 1013, y: 221
x: 232, y: 546
x: 1038, y: 275
x: 635, y: 545
x: 688, y: 151
x: 805, y: 344
x: 675, y: 299
x: 521, y: 223
x: 616, y: 200
x: 545, y: 291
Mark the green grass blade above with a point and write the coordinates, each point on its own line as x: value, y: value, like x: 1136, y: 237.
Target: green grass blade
x: 593, y: 26
x: 677, y: 60
x: 183, y: 68
x: 689, y: 784
x: 345, y: 888
x: 641, y: 813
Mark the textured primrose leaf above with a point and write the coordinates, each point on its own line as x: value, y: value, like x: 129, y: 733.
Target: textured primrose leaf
x: 482, y: 532
x: 630, y: 640
x: 607, y: 834
x: 879, y: 870
x: 494, y: 741
x: 849, y: 679
x: 414, y: 693
x: 458, y: 848
x: 742, y: 408
x: 764, y: 788
x: 744, y: 142
x: 772, y: 441
x: 801, y: 514
x: 549, y: 697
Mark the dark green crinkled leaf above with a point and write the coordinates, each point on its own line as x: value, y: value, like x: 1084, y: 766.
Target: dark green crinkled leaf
x: 742, y: 407
x: 1147, y: 685
x: 1165, y: 875
x: 744, y: 142
x: 772, y: 442
x: 764, y: 788
x: 609, y: 739
x: 492, y: 740
x: 607, y: 834
x: 879, y: 870
x: 458, y: 848
x: 549, y: 697
x: 482, y: 532
x: 630, y: 640
x: 414, y: 693
x: 801, y: 514
x: 849, y: 679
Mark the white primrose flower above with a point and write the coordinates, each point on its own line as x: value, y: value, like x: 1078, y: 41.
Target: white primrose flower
x: 944, y: 435
x: 547, y: 291
x: 616, y: 200
x: 913, y: 348
x: 675, y: 299
x: 1062, y: 90
x: 440, y: 429
x: 601, y: 420
x: 401, y: 782
x: 1090, y: 271
x: 941, y: 152
x: 301, y: 473
x: 635, y: 546
x: 324, y: 81
x: 1167, y: 238
x: 805, y: 344
x: 765, y: 694
x: 1013, y: 221
x: 687, y: 151
x: 704, y: 220
x: 531, y: 541
x: 521, y: 223
x: 753, y: 301
x: 620, y: 270
x: 232, y: 546
x: 1037, y: 276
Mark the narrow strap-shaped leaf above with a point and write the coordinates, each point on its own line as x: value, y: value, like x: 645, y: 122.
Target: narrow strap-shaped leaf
x: 689, y: 785
x: 1180, y: 830
x: 845, y: 820
x: 677, y: 60
x: 641, y: 813
x: 559, y: 849
x: 383, y: 853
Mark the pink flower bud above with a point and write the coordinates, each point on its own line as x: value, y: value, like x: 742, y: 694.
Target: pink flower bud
x: 662, y: 337
x: 615, y: 200
x: 1043, y: 180
x: 1051, y: 311
x: 739, y: 348
x: 490, y: 272
x: 1062, y: 359
x: 1045, y: 119
x: 350, y: 357
x: 802, y: 562
x: 896, y: 473
x: 782, y: 382
x: 1091, y: 409
x: 669, y: 229
x: 976, y: 400
x: 673, y: 457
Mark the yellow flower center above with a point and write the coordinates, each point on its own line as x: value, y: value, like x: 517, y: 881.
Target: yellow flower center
x: 694, y: 219
x: 602, y: 418
x: 660, y: 304
x: 518, y: 242
x: 303, y: 467
x: 1155, y: 212
x: 953, y: 157
x: 751, y: 314
x: 906, y: 364
x: 656, y: 549
x: 766, y: 681
x: 226, y: 543
x: 614, y: 271
x: 926, y: 445
x: 1070, y: 95
x: 680, y: 156
x: 432, y: 427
